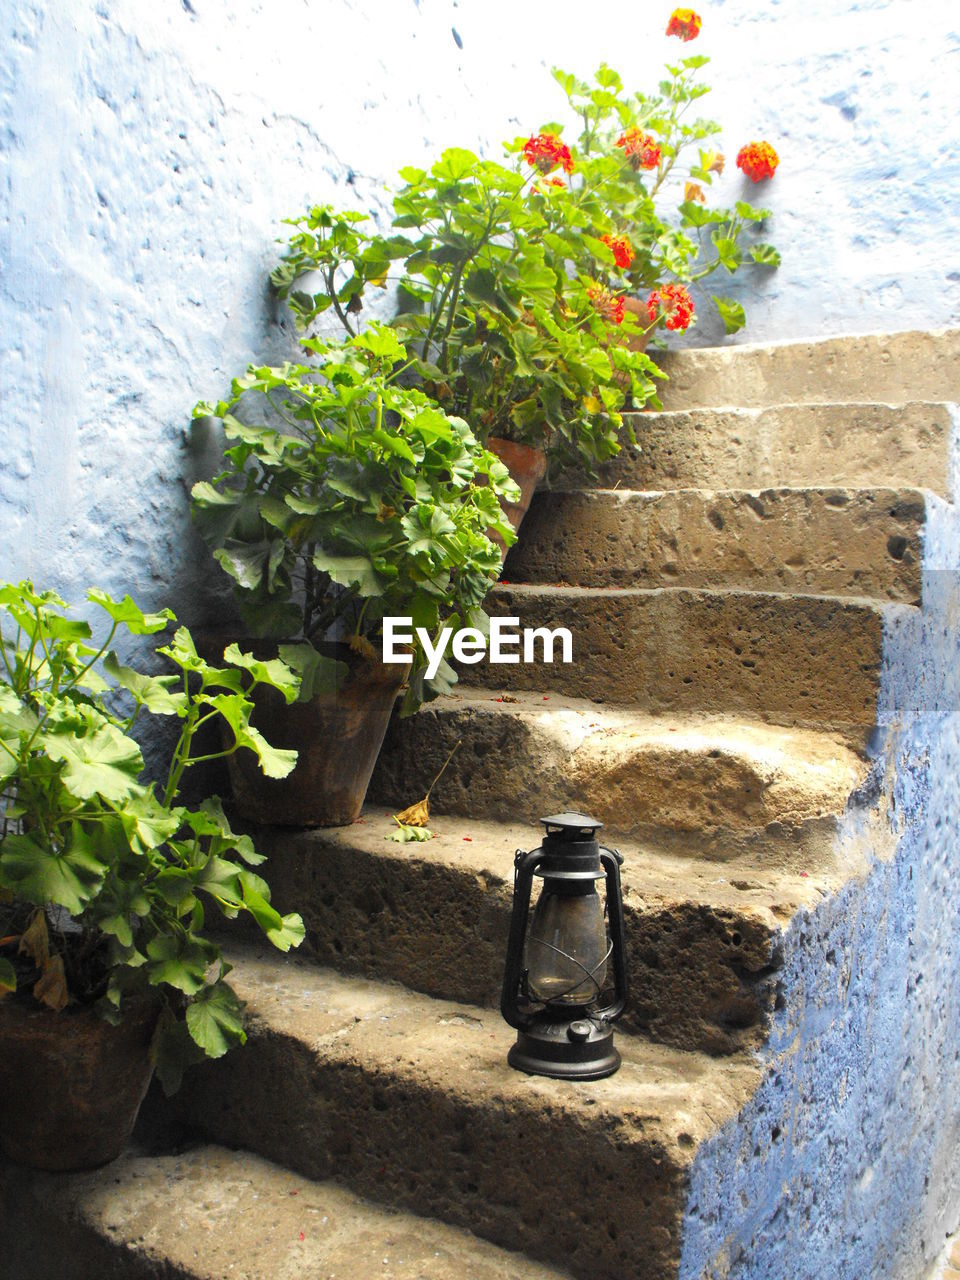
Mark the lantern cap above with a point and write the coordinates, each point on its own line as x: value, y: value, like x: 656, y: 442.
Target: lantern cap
x: 572, y: 822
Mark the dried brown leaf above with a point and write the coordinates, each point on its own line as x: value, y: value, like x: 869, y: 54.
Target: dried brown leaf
x: 35, y: 941
x: 361, y: 645
x: 417, y: 815
x: 51, y: 987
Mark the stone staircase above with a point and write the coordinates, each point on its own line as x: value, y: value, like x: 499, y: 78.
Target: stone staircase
x: 764, y: 710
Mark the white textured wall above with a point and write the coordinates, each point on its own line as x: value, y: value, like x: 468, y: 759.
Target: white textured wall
x: 149, y: 150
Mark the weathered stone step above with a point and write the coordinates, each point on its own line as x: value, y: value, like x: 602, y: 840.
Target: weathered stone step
x: 841, y: 542
x: 783, y: 659
x: 704, y: 915
x: 210, y: 1213
x: 410, y: 1101
x: 636, y: 773
x: 817, y: 445
x: 909, y: 365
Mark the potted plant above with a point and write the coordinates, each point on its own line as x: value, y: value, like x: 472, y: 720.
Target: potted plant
x: 105, y: 966
x: 347, y: 498
x: 501, y: 331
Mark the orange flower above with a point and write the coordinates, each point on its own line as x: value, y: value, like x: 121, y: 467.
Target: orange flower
x: 622, y: 249
x: 684, y: 23
x: 544, y: 151
x: 641, y: 149
x: 693, y: 191
x: 607, y: 304
x: 671, y: 303
x: 757, y: 160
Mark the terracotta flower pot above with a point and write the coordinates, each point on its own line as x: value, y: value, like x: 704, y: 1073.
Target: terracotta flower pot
x: 338, y: 736
x: 71, y: 1084
x: 527, y: 466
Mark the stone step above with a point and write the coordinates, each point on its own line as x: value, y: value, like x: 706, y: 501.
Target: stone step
x: 704, y: 916
x: 636, y: 773
x: 210, y: 1213
x: 912, y: 364
x: 818, y: 445
x: 782, y: 659
x: 840, y: 542
x: 410, y: 1101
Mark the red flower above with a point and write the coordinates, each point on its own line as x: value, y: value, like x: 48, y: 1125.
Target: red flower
x: 607, y: 304
x: 684, y: 23
x: 757, y: 160
x: 641, y: 149
x: 622, y: 249
x: 544, y: 151
x: 673, y: 304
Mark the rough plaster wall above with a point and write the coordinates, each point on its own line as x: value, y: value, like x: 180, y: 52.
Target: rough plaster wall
x: 845, y: 1163
x: 149, y: 151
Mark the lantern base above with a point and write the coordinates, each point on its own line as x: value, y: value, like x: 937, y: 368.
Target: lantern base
x: 574, y: 1050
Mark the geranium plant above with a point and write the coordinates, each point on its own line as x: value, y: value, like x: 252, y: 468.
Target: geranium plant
x: 501, y: 331
x: 349, y: 497
x: 105, y: 879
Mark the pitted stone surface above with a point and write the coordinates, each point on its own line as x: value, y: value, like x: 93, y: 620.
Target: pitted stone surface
x: 411, y: 1100
x: 840, y: 542
x: 887, y: 368
x: 632, y: 772
x: 704, y: 916
x: 835, y: 446
x: 211, y: 1213
x: 787, y: 659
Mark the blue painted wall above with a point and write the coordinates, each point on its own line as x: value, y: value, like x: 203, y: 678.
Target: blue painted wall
x: 149, y: 151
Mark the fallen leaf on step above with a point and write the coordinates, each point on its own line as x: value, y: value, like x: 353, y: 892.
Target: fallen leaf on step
x: 417, y: 815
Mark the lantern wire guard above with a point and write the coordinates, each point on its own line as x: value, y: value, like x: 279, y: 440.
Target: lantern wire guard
x: 555, y: 972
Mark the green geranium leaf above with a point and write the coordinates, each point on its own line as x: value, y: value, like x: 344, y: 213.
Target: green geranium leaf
x: 146, y: 822
x: 173, y: 1050
x: 275, y: 762
x: 350, y: 571
x: 156, y: 693
x: 179, y: 962
x: 130, y: 615
x: 101, y: 762
x: 765, y: 254
x: 273, y: 672
x: 731, y: 312
x: 68, y: 877
x: 214, y: 1020
x: 318, y: 673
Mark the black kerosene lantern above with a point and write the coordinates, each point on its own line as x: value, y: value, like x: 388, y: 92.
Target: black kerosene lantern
x: 555, y: 977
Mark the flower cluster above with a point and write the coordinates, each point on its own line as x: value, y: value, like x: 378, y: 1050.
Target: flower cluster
x: 757, y: 160
x: 544, y: 151
x: 641, y: 149
x: 607, y: 304
x: 673, y: 303
x: 684, y: 23
x: 621, y: 248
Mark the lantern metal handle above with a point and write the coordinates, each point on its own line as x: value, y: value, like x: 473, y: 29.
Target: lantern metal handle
x: 523, y: 868
x: 611, y: 860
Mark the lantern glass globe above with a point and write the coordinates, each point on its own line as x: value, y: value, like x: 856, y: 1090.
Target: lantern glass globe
x: 567, y: 947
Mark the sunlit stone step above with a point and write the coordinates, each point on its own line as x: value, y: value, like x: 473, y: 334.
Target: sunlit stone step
x: 909, y: 365
x: 841, y: 542
x: 826, y: 446
x: 410, y: 1100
